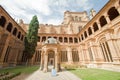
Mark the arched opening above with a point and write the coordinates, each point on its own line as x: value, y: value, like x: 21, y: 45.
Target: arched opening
x: 89, y: 31
x: 85, y: 34
x: 75, y: 40
x: 60, y: 39
x: 113, y: 13
x: 75, y: 55
x: 102, y: 21
x: 43, y: 38
x: 65, y: 39
x: 9, y: 27
x: 2, y: 21
x: 95, y: 27
x: 51, y: 58
x: 22, y: 37
x: 70, y: 40
x: 19, y: 35
x: 82, y: 37
x: 15, y: 31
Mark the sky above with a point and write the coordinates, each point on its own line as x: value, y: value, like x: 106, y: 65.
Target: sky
x: 48, y: 11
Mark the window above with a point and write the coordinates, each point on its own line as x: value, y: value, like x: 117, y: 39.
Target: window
x: 113, y: 13
x: 15, y: 31
x: 102, y: 21
x: 95, y: 27
x: 89, y: 31
x: 2, y: 21
x: 9, y: 27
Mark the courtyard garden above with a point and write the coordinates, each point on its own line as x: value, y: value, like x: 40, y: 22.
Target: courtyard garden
x: 95, y: 74
x: 83, y: 73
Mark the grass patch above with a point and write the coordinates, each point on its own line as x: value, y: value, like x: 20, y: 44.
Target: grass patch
x: 95, y: 74
x: 22, y: 69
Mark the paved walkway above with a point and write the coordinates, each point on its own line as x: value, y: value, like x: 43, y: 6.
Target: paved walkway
x: 64, y: 75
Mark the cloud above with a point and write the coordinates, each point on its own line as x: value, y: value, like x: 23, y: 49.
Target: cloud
x: 48, y: 11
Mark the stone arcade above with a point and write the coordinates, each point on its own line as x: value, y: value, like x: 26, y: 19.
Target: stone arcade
x: 77, y: 41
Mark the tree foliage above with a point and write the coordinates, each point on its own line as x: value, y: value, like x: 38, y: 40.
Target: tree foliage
x: 31, y: 37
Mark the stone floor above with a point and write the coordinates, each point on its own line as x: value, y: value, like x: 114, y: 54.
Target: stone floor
x: 64, y: 75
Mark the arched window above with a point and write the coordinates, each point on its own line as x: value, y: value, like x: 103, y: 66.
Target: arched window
x: 85, y: 34
x: 82, y: 37
x: 75, y: 40
x: 2, y: 21
x: 15, y: 31
x: 95, y: 27
x: 9, y: 27
x: 65, y: 39
x: 19, y: 35
x: 60, y: 39
x: 102, y: 21
x: 75, y: 55
x: 113, y: 13
x: 38, y: 39
x: 43, y: 38
x: 89, y: 31
x: 70, y: 40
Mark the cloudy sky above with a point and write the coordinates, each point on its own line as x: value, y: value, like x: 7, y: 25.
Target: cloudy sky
x: 48, y: 11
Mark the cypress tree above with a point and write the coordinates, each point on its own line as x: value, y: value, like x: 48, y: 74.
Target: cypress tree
x: 31, y: 38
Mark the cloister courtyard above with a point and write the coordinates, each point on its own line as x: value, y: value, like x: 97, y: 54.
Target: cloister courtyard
x: 84, y: 46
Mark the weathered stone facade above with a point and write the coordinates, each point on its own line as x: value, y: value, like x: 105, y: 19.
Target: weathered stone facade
x: 80, y: 40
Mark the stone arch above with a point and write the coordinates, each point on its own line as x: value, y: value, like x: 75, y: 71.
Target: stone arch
x: 60, y: 39
x: 9, y: 27
x: 102, y: 21
x: 65, y: 39
x: 95, y: 27
x: 75, y: 40
x: 15, y: 31
x: 113, y: 13
x: 19, y: 35
x: 70, y: 40
x: 89, y: 31
x: 85, y: 34
x: 51, y: 57
x: 2, y: 21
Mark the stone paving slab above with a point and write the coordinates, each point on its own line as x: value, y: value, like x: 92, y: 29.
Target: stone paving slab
x: 64, y: 75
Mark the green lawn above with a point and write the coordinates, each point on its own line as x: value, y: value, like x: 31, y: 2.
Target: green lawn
x: 95, y: 74
x: 22, y: 69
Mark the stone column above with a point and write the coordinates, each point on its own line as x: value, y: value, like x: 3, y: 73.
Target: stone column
x: 42, y: 61
x: 45, y: 62
x: 99, y: 26
x: 56, y: 60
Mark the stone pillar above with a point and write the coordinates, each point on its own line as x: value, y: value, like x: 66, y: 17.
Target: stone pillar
x: 45, y: 62
x: 70, y: 60
x: 56, y: 61
x: 107, y: 18
x: 42, y: 61
x: 99, y: 26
